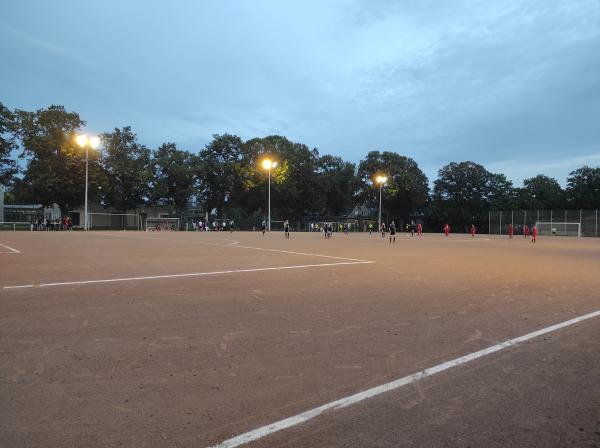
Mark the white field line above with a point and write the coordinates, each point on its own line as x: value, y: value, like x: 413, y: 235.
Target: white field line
x: 264, y: 431
x: 12, y: 250
x: 192, y: 274
x: 235, y: 244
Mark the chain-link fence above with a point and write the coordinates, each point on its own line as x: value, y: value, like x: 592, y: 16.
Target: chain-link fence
x: 558, y: 222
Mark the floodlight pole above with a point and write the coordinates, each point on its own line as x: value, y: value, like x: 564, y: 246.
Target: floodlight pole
x: 269, y: 227
x: 380, y: 190
x: 87, y: 158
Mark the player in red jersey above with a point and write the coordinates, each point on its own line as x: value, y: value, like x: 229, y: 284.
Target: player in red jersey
x: 534, y: 234
x: 526, y: 231
x: 473, y: 230
x: 510, y: 231
x: 446, y: 229
x: 419, y: 229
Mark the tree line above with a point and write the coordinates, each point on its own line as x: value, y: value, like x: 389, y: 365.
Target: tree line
x: 41, y: 163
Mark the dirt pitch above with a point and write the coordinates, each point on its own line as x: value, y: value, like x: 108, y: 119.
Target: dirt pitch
x: 168, y: 339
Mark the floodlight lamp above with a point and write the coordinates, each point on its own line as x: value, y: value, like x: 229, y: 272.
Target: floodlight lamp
x: 267, y: 164
x: 381, y: 179
x: 81, y: 140
x: 94, y: 141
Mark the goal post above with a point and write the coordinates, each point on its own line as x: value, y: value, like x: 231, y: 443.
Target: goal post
x: 114, y: 221
x: 158, y: 224
x: 559, y: 228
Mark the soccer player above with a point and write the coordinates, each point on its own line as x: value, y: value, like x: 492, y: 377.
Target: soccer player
x: 526, y: 231
x: 286, y: 228
x: 392, y: 232
x: 382, y: 230
x: 419, y: 229
x: 446, y: 229
x: 370, y: 227
x: 510, y: 231
x: 412, y: 228
x: 534, y: 234
x: 473, y: 230
x: 264, y: 227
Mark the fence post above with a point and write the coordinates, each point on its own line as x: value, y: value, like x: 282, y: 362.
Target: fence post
x: 500, y: 229
x: 580, y: 211
x: 489, y: 223
x: 538, y: 216
x: 525, y: 219
x: 512, y: 218
x: 596, y: 228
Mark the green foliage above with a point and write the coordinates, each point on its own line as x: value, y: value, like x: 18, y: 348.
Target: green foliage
x: 464, y: 192
x: 541, y: 193
x: 407, y: 186
x: 8, y: 133
x: 173, y: 176
x: 128, y: 170
x: 56, y: 166
x: 583, y: 188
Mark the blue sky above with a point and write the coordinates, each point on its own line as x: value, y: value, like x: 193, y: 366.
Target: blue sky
x: 513, y: 85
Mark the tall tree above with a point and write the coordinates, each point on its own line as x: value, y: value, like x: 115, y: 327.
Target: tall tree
x: 337, y: 183
x: 501, y: 193
x: 173, y: 176
x: 8, y: 133
x: 462, y: 192
x: 56, y: 166
x: 222, y: 172
x: 583, y: 188
x: 542, y: 193
x: 128, y: 169
x: 407, y: 186
x: 295, y: 188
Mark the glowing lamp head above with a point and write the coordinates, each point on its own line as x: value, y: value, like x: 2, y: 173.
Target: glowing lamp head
x: 94, y: 142
x: 381, y: 180
x: 81, y: 140
x: 268, y: 164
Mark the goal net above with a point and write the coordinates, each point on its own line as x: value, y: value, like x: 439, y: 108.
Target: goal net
x: 114, y: 221
x: 158, y: 224
x: 559, y: 228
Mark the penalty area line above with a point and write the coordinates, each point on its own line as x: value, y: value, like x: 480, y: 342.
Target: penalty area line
x: 295, y: 420
x: 191, y: 274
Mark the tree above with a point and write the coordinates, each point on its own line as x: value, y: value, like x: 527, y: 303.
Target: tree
x: 173, y: 176
x: 56, y: 166
x: 541, y: 193
x: 337, y: 183
x: 407, y: 186
x: 463, y: 192
x: 222, y: 172
x: 8, y: 133
x: 295, y: 188
x: 501, y: 193
x: 583, y: 188
x: 128, y: 170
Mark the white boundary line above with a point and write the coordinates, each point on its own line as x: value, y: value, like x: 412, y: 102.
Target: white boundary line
x: 13, y: 250
x: 235, y: 244
x: 192, y: 274
x: 264, y: 431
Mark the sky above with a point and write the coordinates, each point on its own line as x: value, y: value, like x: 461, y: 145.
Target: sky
x: 513, y: 85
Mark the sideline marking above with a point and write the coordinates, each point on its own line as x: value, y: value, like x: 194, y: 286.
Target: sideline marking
x: 13, y: 250
x: 264, y: 431
x: 192, y: 274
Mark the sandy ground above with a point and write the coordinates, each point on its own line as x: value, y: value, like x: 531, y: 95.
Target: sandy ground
x: 127, y: 351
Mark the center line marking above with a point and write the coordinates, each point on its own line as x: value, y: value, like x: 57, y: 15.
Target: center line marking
x: 295, y: 420
x: 192, y: 274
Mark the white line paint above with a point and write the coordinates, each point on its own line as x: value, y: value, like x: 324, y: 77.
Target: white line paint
x: 192, y: 274
x: 233, y: 244
x: 264, y: 431
x: 13, y: 250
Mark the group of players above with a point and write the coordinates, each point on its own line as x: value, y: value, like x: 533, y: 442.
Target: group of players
x: 327, y: 229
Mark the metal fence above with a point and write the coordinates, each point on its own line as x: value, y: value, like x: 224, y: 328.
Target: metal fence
x: 499, y: 220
